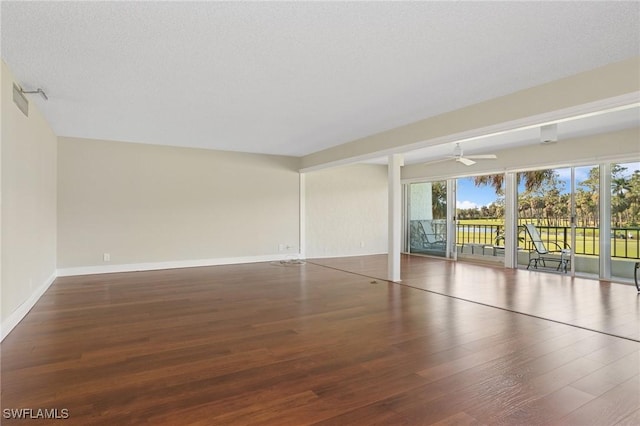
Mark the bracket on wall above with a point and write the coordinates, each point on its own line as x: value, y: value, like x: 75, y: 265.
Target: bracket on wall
x: 21, y: 100
x: 38, y: 90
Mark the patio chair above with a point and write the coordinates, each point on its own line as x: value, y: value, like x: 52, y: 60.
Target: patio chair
x: 430, y: 239
x: 540, y: 254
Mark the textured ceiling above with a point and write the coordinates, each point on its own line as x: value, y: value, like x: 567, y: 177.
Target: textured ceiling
x: 293, y: 78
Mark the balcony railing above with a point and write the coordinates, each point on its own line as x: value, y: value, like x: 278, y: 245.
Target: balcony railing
x: 625, y: 242
x: 490, y: 235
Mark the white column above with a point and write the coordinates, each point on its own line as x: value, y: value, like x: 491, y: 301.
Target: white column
x: 511, y: 220
x: 302, y: 221
x: 395, y: 217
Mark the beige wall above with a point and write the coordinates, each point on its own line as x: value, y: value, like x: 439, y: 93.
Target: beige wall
x: 614, y: 146
x: 148, y: 204
x: 346, y: 207
x: 28, y: 212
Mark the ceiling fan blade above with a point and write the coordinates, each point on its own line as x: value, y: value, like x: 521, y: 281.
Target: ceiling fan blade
x: 465, y: 161
x: 482, y: 157
x: 438, y: 161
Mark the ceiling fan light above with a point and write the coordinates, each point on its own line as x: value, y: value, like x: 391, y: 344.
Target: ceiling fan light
x: 457, y: 150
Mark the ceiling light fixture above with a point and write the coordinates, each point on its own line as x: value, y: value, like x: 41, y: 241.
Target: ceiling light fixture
x: 549, y: 133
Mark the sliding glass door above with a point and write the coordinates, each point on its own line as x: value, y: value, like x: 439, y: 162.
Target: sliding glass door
x: 544, y: 217
x: 558, y: 220
x: 427, y: 217
x: 585, y: 203
x: 582, y: 220
x: 624, y: 219
x: 480, y: 217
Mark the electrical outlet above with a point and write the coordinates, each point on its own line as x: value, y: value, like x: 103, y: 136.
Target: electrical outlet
x: 106, y: 257
x: 281, y: 247
x: 361, y: 244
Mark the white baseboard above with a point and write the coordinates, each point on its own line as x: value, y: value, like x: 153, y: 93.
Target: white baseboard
x: 17, y: 315
x: 329, y: 256
x: 153, y: 266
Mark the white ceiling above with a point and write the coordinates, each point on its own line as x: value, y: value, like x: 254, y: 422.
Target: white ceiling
x: 293, y: 78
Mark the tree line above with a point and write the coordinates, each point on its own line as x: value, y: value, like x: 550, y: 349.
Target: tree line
x: 545, y: 200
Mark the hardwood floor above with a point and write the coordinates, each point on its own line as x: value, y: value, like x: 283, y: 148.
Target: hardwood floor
x: 307, y: 344
x: 596, y: 305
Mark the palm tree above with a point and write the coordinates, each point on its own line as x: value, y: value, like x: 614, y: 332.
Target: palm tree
x: 439, y: 200
x: 533, y: 180
x: 496, y: 181
x: 620, y: 204
x: 634, y: 197
x: 619, y: 187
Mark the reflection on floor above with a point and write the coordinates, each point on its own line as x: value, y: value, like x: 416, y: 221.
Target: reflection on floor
x: 595, y: 305
x: 299, y: 344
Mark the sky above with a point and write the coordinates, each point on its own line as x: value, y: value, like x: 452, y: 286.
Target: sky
x: 470, y: 196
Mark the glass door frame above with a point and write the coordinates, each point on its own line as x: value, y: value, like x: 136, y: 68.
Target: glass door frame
x: 452, y: 223
x: 450, y: 248
x: 604, y: 223
x: 511, y: 215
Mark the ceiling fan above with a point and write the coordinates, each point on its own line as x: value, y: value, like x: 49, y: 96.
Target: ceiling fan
x: 467, y: 160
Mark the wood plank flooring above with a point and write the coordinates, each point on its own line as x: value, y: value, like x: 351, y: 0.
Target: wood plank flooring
x: 597, y: 305
x: 294, y: 345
